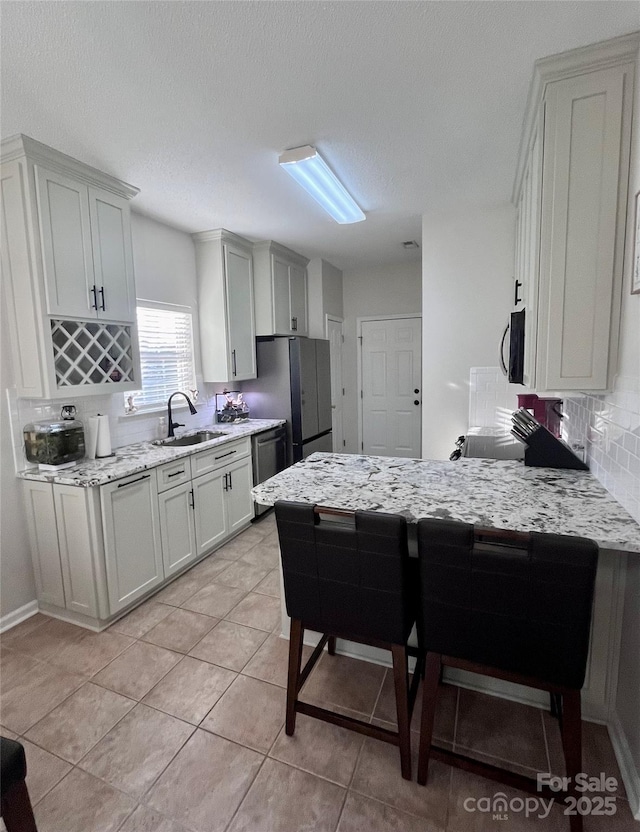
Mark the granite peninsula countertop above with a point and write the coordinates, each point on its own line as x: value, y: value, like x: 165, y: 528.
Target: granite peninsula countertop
x: 492, y: 493
x: 132, y: 458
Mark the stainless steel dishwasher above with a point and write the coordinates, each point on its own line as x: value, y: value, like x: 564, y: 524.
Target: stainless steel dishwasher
x: 269, y: 457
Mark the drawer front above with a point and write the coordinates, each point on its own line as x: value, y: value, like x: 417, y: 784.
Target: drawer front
x: 173, y: 473
x: 220, y: 456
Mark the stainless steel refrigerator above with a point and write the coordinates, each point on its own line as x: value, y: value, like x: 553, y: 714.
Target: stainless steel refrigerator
x: 294, y: 383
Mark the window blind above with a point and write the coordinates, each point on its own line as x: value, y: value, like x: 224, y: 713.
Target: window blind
x: 166, y: 354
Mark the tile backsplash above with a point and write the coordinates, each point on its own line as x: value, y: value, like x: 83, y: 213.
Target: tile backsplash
x: 609, y: 428
x: 492, y: 399
x: 125, y: 430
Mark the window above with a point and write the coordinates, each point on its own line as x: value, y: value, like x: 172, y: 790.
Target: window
x: 166, y: 353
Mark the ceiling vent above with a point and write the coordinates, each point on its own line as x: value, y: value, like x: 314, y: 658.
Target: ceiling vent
x: 408, y: 244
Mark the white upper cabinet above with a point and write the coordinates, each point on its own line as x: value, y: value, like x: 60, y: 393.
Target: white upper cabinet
x: 67, y: 266
x: 280, y: 281
x: 224, y: 265
x: 112, y: 256
x: 67, y: 257
x: 571, y: 199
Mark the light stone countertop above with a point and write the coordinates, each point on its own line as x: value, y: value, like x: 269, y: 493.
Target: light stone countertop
x: 492, y: 493
x: 133, y: 458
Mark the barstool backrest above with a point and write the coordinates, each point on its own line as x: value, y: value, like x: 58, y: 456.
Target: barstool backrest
x: 348, y: 575
x: 517, y: 602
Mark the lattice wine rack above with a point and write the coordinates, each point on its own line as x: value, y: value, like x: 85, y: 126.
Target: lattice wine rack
x: 89, y: 352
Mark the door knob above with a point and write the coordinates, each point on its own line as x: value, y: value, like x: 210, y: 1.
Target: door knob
x: 416, y: 390
x: 415, y: 401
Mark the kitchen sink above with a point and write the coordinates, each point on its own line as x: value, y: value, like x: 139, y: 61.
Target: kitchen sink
x: 191, y: 438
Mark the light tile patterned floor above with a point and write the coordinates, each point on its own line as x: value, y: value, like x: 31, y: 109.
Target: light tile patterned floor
x: 172, y: 720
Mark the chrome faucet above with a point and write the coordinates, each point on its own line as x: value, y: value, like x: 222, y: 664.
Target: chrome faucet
x: 173, y: 424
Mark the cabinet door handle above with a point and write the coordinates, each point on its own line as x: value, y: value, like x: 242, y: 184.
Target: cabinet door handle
x: 175, y: 473
x: 222, y: 456
x: 131, y: 482
x: 192, y: 502
x: 230, y: 481
x: 101, y: 293
x: 234, y: 369
x: 294, y: 324
x: 94, y: 292
x: 517, y: 299
x: 225, y: 482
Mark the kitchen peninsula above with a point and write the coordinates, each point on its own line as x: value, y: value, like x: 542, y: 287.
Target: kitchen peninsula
x: 491, y: 493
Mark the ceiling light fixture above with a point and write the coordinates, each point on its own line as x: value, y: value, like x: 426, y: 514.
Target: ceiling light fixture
x: 311, y: 171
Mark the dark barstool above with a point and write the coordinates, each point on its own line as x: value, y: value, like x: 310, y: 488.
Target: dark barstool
x: 509, y: 605
x: 15, y: 806
x: 347, y: 575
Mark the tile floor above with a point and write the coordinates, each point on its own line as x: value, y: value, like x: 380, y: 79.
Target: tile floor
x: 172, y: 720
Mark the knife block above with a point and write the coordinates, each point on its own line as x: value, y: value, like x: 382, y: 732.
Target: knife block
x: 545, y: 451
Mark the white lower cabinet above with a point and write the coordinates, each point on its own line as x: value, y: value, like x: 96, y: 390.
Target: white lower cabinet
x: 96, y: 551
x: 132, y: 549
x: 238, y: 500
x: 176, y: 528
x: 209, y: 511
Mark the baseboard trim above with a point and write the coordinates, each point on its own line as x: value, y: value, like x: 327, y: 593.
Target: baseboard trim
x: 11, y: 619
x: 628, y: 770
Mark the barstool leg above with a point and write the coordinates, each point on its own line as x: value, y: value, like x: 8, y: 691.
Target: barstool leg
x: 572, y: 744
x: 16, y: 810
x: 295, y: 659
x: 433, y: 668
x: 400, y: 678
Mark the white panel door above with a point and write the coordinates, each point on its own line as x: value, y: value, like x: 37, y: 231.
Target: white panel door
x: 281, y: 297
x: 240, y: 323
x: 211, y: 526
x: 298, y: 300
x: 238, y: 484
x: 177, y: 528
x: 132, y: 547
x: 391, y: 395
x: 112, y: 255
x: 334, y: 334
x: 63, y: 213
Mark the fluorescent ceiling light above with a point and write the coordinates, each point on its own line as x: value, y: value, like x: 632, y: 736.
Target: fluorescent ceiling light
x: 311, y: 171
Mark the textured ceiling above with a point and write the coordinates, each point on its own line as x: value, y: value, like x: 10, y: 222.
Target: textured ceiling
x: 417, y: 105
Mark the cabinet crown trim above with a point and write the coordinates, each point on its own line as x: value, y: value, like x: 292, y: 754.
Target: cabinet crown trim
x: 20, y: 146
x: 584, y: 59
x: 276, y: 248
x: 221, y: 235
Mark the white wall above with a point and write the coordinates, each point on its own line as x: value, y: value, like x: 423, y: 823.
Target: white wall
x: 17, y: 586
x: 467, y: 283
x: 324, y: 295
x: 164, y: 261
x: 391, y: 290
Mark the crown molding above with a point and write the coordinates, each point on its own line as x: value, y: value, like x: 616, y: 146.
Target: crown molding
x: 276, y: 248
x: 596, y: 56
x: 221, y: 235
x: 21, y: 146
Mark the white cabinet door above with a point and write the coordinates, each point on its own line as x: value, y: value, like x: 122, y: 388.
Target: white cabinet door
x: 298, y: 300
x: 211, y: 527
x: 583, y: 140
x: 281, y: 297
x: 43, y: 537
x: 240, y: 322
x: 63, y: 213
x: 133, y: 551
x: 239, y: 481
x: 112, y: 256
x: 177, y: 528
